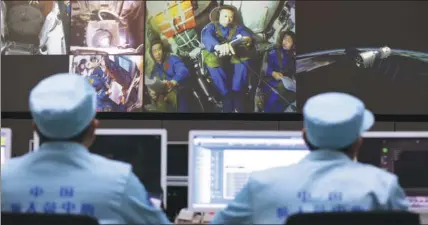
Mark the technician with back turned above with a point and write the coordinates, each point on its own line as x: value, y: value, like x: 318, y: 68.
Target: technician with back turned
x: 328, y: 179
x: 63, y: 176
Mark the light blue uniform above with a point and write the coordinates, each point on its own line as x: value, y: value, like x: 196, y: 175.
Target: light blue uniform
x: 327, y: 179
x: 323, y: 181
x: 64, y: 177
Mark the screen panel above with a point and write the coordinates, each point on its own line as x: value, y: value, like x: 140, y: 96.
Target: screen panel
x: 107, y: 27
x: 35, y: 27
x: 404, y: 154
x: 178, y: 159
x: 221, y: 162
x: 144, y: 149
x: 117, y: 80
x: 180, y: 47
x: 341, y: 49
x: 366, y: 56
x: 6, y: 145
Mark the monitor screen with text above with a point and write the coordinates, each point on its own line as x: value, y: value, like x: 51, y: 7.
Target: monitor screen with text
x: 221, y: 163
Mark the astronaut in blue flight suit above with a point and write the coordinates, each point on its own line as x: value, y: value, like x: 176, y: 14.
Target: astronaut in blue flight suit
x: 81, y: 68
x: 328, y: 179
x: 281, y: 63
x: 172, y: 71
x: 62, y: 176
x: 68, y: 7
x: 216, y: 37
x: 98, y: 81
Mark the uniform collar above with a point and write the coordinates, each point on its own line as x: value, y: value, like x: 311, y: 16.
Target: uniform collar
x: 327, y: 155
x: 284, y: 51
x: 62, y: 146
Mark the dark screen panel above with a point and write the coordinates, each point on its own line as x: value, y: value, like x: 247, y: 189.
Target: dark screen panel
x: 21, y: 73
x: 405, y: 157
x: 370, y: 151
x: 143, y: 152
x: 393, y: 85
x: 177, y: 200
x: 178, y: 159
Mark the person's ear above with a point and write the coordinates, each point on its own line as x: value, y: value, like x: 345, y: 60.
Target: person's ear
x: 356, y: 148
x: 34, y: 126
x: 304, y: 134
x: 94, y: 125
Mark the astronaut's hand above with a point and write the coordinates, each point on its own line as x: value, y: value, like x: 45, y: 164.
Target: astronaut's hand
x: 277, y: 75
x: 152, y: 94
x: 247, y: 41
x: 171, y: 83
x: 194, y: 53
x: 224, y: 49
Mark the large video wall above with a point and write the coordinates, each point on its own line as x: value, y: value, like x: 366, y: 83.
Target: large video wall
x: 223, y: 56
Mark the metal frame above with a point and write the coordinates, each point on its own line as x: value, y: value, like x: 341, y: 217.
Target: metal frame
x: 396, y: 134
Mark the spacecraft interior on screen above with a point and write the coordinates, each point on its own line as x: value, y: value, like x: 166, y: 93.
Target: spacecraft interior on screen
x: 107, y: 27
x: 220, y: 56
x: 116, y: 78
x: 6, y: 144
x: 34, y: 27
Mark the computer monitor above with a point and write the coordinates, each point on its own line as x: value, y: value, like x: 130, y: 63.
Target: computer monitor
x: 6, y: 145
x: 145, y: 149
x: 406, y: 155
x: 220, y: 162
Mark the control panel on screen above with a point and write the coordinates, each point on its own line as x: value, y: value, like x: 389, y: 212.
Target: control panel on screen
x: 404, y: 154
x: 220, y: 165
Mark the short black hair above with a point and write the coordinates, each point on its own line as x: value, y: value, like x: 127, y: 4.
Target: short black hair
x: 79, y: 138
x: 312, y: 147
x: 155, y: 42
x: 285, y: 33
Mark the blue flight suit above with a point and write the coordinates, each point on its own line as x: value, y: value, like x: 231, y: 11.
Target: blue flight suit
x: 98, y: 81
x: 273, y: 103
x: 323, y: 181
x: 230, y: 87
x: 68, y: 7
x: 64, y: 177
x: 174, y: 69
x: 104, y: 103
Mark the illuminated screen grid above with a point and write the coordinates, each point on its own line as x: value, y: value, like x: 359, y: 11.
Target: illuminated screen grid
x: 3, y: 149
x: 192, y: 56
x: 222, y: 165
x: 143, y: 152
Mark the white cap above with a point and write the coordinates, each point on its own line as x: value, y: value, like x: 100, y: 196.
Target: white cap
x: 335, y: 120
x: 63, y: 105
